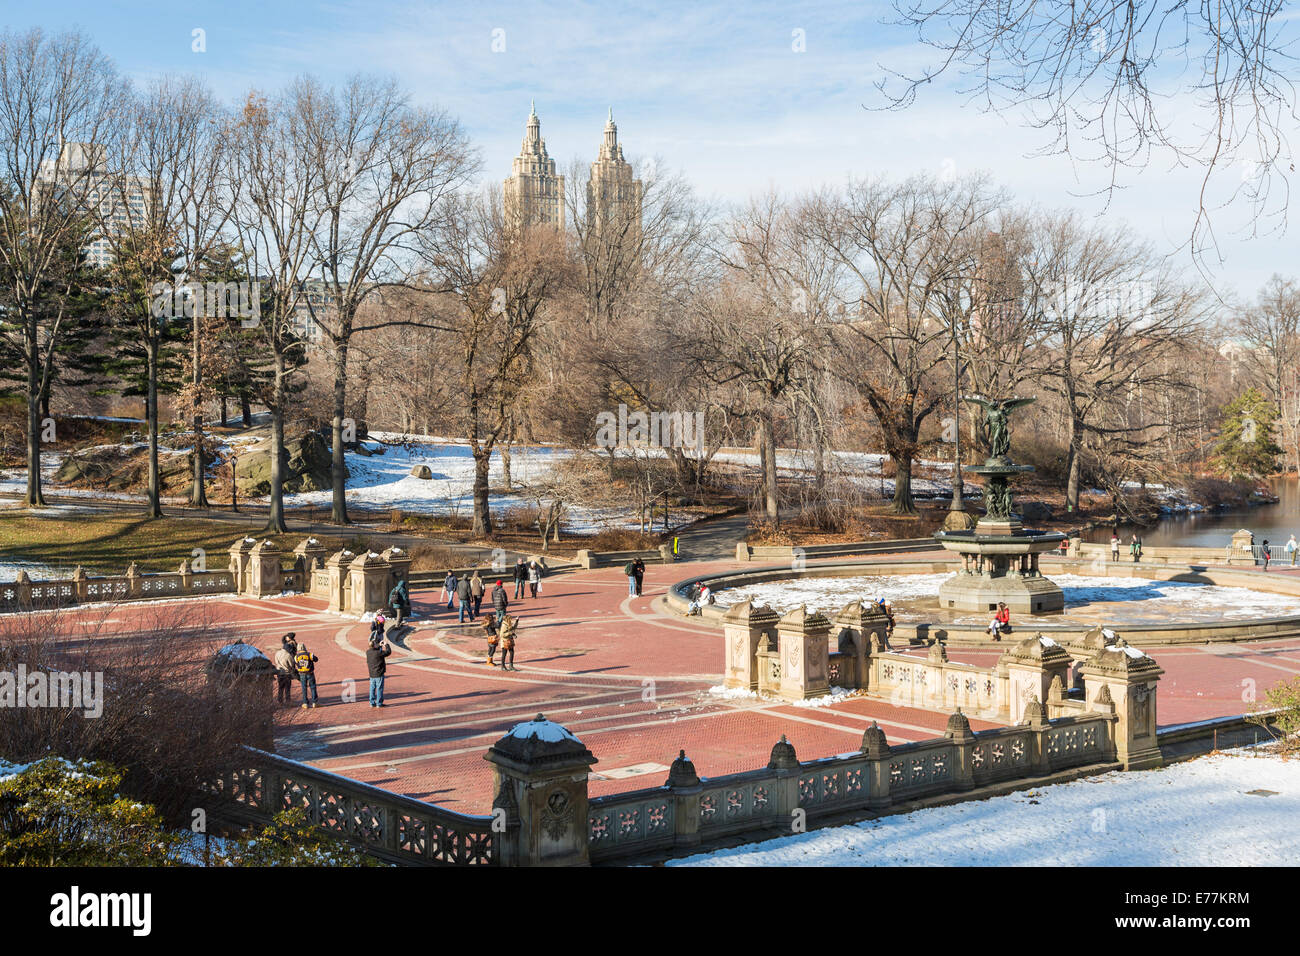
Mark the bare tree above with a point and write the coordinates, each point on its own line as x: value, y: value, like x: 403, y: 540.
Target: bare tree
x: 1271, y: 330
x: 1120, y: 76
x: 57, y: 93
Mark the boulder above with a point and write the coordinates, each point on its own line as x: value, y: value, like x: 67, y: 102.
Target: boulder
x: 306, y: 466
x: 422, y: 471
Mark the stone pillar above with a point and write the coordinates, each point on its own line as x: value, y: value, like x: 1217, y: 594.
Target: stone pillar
x: 685, y: 786
x: 1123, y: 679
x: 540, y: 770
x: 313, y: 553
x: 1035, y: 718
x: 239, y: 561
x: 862, y: 621
x: 1030, y: 666
x: 79, y: 583
x: 876, y: 747
x: 187, y: 576
x: 399, y: 561
x: 743, y: 626
x: 340, y: 593
x: 959, y: 732
x: 785, y: 762
x: 368, y: 580
x: 805, y: 654
x: 133, y: 576
x: 1242, y: 548
x: 265, y: 570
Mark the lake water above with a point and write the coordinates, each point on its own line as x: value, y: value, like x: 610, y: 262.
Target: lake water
x: 1213, y: 529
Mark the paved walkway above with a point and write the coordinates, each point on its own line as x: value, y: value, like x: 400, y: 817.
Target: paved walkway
x: 633, y: 683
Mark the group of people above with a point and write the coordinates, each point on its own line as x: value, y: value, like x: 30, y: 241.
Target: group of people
x: 465, y: 593
x: 293, y: 661
x: 635, y: 571
x: 1134, y: 547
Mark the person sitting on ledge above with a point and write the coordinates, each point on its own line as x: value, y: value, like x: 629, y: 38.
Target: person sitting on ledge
x: 1001, y: 622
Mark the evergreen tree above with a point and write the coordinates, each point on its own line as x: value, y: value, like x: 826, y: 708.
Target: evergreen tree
x: 1246, y: 448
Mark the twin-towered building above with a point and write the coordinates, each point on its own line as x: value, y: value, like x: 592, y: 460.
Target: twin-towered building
x: 534, y: 193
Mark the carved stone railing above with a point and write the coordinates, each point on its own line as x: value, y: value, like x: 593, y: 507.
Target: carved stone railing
x: 936, y: 685
x: 761, y: 803
x: 81, y: 588
x: 386, y: 825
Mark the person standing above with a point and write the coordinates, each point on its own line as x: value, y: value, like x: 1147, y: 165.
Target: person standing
x: 509, y: 627
x: 377, y: 626
x: 1135, y: 548
x: 399, y: 599
x: 1291, y: 547
x: 493, y: 637
x: 304, y: 664
x: 377, y: 665
x: 1114, y: 546
x: 500, y: 602
x: 1267, y: 552
x: 476, y: 593
x: 284, y: 671
x: 630, y: 570
x: 638, y: 570
x: 463, y: 598
x: 534, y: 578
x: 521, y: 578
x: 449, y: 588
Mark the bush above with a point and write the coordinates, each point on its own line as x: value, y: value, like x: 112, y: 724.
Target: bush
x: 1284, y: 698
x: 620, y: 539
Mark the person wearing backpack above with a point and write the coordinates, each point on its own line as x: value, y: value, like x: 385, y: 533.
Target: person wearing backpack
x: 377, y: 665
x: 399, y: 599
x: 304, y: 664
x: 630, y: 570
x: 638, y: 571
x: 463, y: 597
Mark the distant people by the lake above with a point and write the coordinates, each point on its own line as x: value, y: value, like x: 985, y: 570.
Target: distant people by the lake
x: 1291, y: 548
x: 1114, y: 546
x: 1135, y: 548
x: 1266, y: 553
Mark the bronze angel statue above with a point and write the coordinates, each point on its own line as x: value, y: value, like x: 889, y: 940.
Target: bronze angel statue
x: 996, y: 414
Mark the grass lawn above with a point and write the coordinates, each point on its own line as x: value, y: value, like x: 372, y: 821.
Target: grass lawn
x: 106, y: 544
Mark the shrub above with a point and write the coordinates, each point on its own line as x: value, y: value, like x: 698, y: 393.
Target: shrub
x: 1284, y: 698
x: 620, y: 539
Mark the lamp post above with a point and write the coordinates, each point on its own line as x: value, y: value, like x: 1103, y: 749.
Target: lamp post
x: 233, y: 462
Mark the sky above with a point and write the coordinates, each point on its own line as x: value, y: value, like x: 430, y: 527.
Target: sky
x: 732, y: 96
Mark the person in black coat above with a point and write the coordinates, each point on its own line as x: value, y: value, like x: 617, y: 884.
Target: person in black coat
x: 500, y: 602
x: 377, y: 665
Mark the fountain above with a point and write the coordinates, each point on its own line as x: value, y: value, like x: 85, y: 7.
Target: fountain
x: 999, y: 557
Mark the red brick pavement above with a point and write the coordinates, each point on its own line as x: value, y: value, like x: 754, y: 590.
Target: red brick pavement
x: 630, y: 681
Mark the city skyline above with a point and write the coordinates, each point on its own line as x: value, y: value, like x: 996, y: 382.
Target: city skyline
x: 776, y: 99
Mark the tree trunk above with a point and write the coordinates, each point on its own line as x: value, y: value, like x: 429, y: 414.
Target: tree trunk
x: 35, y: 497
x: 339, y: 512
x: 245, y: 410
x: 482, y: 513
x: 275, y: 522
x: 151, y: 422
x: 771, y: 491
x: 1072, y: 458
x: 505, y: 466
x: 903, y: 503
x: 198, y: 495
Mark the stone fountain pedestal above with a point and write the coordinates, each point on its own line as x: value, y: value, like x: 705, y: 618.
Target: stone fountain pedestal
x: 999, y: 557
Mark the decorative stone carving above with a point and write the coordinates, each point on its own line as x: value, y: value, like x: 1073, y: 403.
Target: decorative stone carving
x: 783, y: 756
x: 682, y: 772
x: 874, y: 742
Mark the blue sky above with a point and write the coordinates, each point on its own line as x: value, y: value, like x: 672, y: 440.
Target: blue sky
x: 716, y: 91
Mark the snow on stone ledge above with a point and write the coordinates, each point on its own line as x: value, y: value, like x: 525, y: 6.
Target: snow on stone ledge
x: 242, y: 651
x: 542, y: 729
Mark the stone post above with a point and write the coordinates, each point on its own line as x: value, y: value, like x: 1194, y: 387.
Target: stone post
x: 79, y: 584
x: 265, y: 570
x: 1123, y: 680
x: 862, y: 621
x: 1035, y: 718
x: 1030, y: 666
x: 743, y: 626
x: 685, y: 786
x: 23, y: 589
x: 239, y: 561
x: 805, y: 654
x: 1241, y: 550
x: 540, y: 771
x: 133, y: 576
x: 785, y: 763
x: 340, y: 593
x: 187, y: 575
x: 959, y: 732
x: 368, y: 577
x: 399, y: 560
x: 313, y: 553
x: 876, y: 747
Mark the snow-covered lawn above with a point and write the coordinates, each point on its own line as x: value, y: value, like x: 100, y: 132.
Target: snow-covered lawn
x: 828, y: 594
x: 1197, y: 813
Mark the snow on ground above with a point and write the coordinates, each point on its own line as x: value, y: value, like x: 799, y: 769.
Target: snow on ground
x: 829, y: 594
x: 1197, y: 813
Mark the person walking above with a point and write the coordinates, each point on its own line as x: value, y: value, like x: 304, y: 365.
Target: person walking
x: 1291, y: 548
x: 449, y: 588
x: 521, y: 578
x: 304, y: 665
x: 638, y: 570
x: 509, y: 627
x: 1267, y: 553
x: 1114, y: 546
x: 534, y: 578
x: 284, y: 672
x: 476, y: 593
x: 1135, y: 548
x: 399, y: 599
x: 463, y: 598
x: 630, y: 570
x: 377, y: 665
x: 500, y: 602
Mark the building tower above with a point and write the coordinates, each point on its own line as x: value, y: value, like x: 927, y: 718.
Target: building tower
x: 534, y: 194
x: 613, y: 196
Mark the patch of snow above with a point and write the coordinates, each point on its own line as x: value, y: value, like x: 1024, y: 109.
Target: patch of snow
x: 545, y: 730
